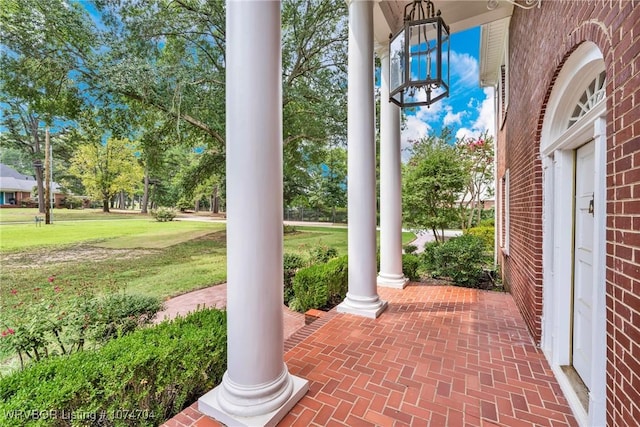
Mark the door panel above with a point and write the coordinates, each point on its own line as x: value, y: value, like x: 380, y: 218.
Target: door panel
x: 583, y: 267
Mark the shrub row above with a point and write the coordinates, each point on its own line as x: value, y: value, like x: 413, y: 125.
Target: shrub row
x: 410, y: 265
x: 320, y: 285
x: 486, y: 233
x: 461, y: 258
x: 326, y: 284
x: 43, y: 324
x: 163, y: 214
x: 141, y: 379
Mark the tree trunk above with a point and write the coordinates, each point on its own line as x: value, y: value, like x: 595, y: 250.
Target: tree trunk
x: 105, y: 205
x: 47, y: 178
x: 40, y: 185
x: 196, y: 206
x: 215, y: 206
x: 121, y: 202
x: 145, y: 195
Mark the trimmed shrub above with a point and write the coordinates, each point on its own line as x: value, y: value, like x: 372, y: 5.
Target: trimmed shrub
x: 72, y: 202
x: 320, y: 285
x: 119, y: 314
x: 141, y: 379
x: 321, y: 254
x: 489, y: 222
x: 291, y: 264
x: 48, y: 326
x: 461, y: 258
x: 289, y: 229
x: 486, y: 233
x: 410, y: 264
x: 163, y: 214
x: 410, y: 249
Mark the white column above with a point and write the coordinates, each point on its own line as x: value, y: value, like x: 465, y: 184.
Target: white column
x: 362, y: 297
x: 257, y: 388
x: 391, y: 274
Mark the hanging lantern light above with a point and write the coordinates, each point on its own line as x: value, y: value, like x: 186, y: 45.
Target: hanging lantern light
x: 419, y: 57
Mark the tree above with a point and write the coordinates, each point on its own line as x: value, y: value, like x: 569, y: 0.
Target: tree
x: 477, y: 156
x: 106, y: 169
x: 433, y: 181
x: 40, y: 40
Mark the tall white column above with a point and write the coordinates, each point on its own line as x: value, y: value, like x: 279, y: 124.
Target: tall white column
x: 391, y: 274
x: 362, y: 297
x: 257, y: 388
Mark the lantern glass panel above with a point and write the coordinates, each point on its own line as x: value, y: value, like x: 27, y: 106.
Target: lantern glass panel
x: 396, y: 61
x: 423, y: 52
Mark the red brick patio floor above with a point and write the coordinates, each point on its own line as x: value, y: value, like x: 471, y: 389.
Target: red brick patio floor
x: 438, y: 356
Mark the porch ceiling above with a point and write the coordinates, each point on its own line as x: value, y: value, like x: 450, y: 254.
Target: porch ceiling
x: 458, y: 14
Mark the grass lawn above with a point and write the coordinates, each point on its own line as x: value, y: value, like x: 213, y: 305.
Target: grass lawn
x: 134, y: 255
x: 137, y: 256
x: 8, y: 215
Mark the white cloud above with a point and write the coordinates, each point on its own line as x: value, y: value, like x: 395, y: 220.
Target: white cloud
x: 452, y: 118
x: 464, y: 69
x: 414, y: 130
x: 485, y: 120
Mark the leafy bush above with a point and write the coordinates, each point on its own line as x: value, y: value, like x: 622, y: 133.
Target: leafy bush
x: 43, y: 324
x: 460, y: 258
x: 72, y: 202
x: 291, y: 264
x: 289, y: 229
x: 487, y: 234
x: 428, y: 255
x: 163, y: 214
x: 119, y: 314
x: 489, y: 222
x: 149, y: 375
x: 320, y: 285
x: 410, y: 249
x: 410, y: 264
x: 321, y: 254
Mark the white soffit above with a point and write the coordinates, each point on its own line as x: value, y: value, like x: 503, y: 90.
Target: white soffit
x: 460, y: 15
x: 493, y: 37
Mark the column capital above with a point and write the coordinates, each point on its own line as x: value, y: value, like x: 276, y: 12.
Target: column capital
x: 381, y: 49
x: 349, y: 2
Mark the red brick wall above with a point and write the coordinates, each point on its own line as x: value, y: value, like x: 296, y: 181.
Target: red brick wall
x: 540, y: 41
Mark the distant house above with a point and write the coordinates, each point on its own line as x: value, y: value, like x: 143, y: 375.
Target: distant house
x: 16, y: 188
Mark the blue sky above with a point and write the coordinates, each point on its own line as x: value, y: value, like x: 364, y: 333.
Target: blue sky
x: 469, y: 108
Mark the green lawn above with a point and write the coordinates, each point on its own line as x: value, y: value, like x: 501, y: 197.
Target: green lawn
x: 136, y: 255
x: 8, y: 215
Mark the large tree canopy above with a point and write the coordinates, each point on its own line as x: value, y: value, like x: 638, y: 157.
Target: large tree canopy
x: 156, y: 71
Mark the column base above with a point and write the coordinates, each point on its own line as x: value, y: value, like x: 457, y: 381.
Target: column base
x: 370, y: 307
x: 209, y: 405
x: 392, y: 281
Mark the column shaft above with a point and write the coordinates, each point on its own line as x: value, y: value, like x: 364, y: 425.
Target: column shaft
x: 362, y: 297
x: 391, y: 274
x: 257, y: 388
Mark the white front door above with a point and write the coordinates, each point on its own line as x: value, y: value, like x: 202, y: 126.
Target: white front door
x: 583, y: 267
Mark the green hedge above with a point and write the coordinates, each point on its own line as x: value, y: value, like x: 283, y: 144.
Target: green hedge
x: 486, y: 233
x: 141, y: 379
x: 461, y: 258
x: 320, y: 285
x: 410, y: 264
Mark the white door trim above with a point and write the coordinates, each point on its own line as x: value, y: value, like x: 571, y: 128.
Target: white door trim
x: 557, y: 147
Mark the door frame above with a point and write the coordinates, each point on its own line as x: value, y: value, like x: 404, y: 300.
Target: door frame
x: 557, y: 150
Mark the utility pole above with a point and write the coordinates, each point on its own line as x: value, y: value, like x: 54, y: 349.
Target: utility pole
x: 47, y: 175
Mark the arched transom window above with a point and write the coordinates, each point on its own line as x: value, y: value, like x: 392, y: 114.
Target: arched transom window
x: 593, y: 94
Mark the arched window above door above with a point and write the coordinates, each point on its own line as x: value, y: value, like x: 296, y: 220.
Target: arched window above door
x: 592, y: 95
x: 578, y: 95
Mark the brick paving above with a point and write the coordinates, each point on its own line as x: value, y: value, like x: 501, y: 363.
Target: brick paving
x: 216, y: 296
x: 439, y: 356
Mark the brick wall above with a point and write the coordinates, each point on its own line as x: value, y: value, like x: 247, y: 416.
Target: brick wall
x: 540, y: 41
